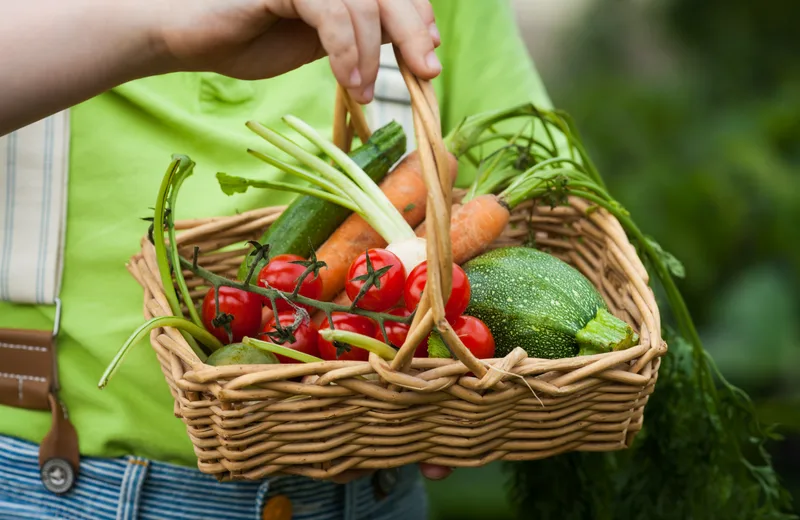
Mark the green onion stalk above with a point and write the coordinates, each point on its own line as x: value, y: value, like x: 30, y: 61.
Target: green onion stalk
x: 350, y: 188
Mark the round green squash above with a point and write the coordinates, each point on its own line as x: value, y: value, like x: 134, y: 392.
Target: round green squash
x: 533, y: 300
x: 241, y: 354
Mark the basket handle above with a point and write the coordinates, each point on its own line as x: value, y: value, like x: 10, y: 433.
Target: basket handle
x: 434, y: 162
x: 344, y: 129
x: 435, y: 170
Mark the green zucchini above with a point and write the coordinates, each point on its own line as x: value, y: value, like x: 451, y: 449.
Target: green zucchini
x: 241, y: 354
x: 531, y: 299
x: 308, y: 221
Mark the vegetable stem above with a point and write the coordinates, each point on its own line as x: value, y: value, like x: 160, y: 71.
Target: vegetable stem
x: 298, y: 172
x: 676, y: 301
x: 231, y: 184
x: 605, y: 333
x: 274, y: 294
x: 166, y: 193
x: 280, y: 350
x: 360, y: 341
x: 346, y: 163
x: 367, y: 200
x: 145, y: 328
x: 182, y: 174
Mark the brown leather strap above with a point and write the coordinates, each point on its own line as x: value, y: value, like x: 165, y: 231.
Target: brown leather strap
x: 29, y: 379
x: 26, y: 368
x: 62, y: 440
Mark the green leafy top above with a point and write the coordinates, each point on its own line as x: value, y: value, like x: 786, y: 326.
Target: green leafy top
x: 701, y: 452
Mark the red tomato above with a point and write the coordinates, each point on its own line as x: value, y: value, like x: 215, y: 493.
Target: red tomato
x: 398, y: 332
x: 348, y: 322
x: 422, y: 348
x: 305, y: 336
x: 391, y: 282
x: 281, y: 274
x: 459, y: 296
x: 475, y: 335
x: 245, y: 307
x: 395, y: 330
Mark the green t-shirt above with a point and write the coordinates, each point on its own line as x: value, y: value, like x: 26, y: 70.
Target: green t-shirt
x: 122, y: 142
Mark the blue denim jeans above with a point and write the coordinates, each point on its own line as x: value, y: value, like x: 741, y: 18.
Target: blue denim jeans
x: 131, y: 488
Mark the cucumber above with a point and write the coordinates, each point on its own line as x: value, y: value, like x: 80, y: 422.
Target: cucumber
x: 533, y: 300
x: 308, y: 221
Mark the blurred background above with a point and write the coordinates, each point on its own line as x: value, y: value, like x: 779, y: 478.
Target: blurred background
x: 691, y: 111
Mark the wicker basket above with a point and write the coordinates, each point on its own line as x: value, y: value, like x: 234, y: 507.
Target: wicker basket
x: 320, y: 419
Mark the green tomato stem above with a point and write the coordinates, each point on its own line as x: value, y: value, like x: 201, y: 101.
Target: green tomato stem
x: 274, y: 294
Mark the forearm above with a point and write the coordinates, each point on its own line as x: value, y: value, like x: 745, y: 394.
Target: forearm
x: 56, y: 54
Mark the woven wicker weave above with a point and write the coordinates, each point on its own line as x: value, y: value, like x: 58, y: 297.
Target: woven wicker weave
x: 320, y: 419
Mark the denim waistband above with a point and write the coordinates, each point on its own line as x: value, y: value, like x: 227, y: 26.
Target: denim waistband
x: 134, y: 488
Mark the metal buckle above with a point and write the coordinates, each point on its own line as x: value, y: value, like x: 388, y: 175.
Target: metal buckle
x: 57, y: 322
x: 56, y: 330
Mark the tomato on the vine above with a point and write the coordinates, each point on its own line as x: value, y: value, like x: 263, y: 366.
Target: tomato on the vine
x: 395, y: 331
x: 391, y: 281
x: 398, y: 332
x: 244, y: 309
x: 459, y: 296
x: 305, y: 335
x: 347, y: 322
x: 282, y: 274
x: 475, y: 335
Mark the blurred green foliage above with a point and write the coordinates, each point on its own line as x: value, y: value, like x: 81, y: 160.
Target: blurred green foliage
x: 691, y: 111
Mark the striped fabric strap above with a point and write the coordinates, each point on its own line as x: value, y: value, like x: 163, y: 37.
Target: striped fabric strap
x: 33, y: 203
x: 392, y: 100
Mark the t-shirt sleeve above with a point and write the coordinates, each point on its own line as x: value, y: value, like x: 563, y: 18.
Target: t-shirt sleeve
x: 486, y: 64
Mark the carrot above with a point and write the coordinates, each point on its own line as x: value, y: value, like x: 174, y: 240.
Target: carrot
x: 406, y: 190
x: 420, y: 230
x: 475, y: 225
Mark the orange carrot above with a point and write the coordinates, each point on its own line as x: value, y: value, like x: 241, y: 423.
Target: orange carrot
x: 406, y: 190
x: 420, y: 230
x: 475, y: 225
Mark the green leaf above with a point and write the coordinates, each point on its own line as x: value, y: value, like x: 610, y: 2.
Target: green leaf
x: 231, y: 184
x: 673, y: 264
x: 437, y: 348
